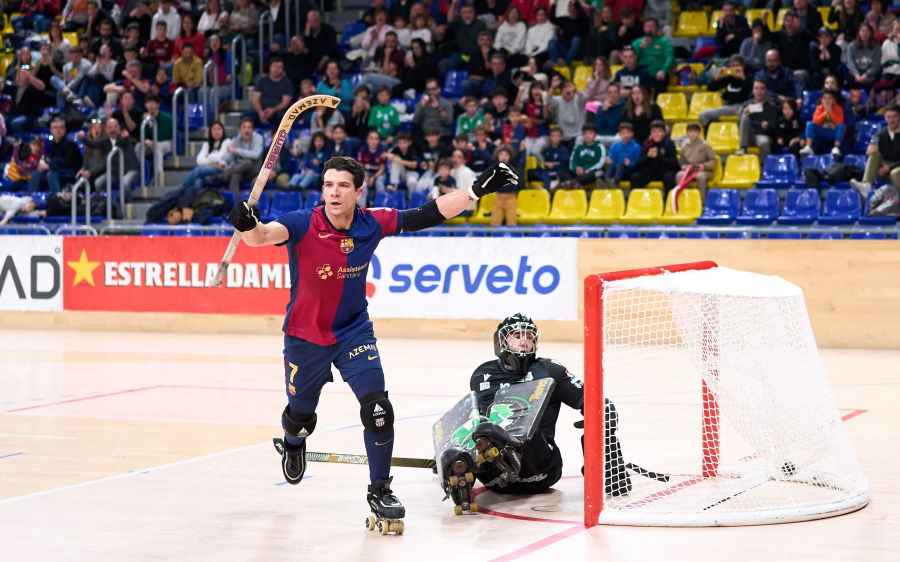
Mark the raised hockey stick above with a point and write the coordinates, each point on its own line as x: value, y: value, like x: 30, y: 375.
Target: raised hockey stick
x: 363, y: 459
x: 278, y: 140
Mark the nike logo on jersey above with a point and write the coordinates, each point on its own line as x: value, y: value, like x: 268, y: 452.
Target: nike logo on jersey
x: 325, y: 235
x: 385, y: 443
x: 373, y: 357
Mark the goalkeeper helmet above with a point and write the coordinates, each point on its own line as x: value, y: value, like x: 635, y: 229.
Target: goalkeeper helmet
x: 516, y: 342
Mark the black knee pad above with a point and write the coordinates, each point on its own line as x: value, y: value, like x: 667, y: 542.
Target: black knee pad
x: 296, y: 424
x: 376, y: 412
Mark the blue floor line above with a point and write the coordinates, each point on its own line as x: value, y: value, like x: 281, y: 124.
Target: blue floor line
x: 285, y: 482
x: 11, y: 455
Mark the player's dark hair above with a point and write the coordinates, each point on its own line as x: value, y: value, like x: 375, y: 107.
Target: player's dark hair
x: 346, y: 164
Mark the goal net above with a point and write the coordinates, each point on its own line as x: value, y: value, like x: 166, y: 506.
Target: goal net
x: 724, y: 414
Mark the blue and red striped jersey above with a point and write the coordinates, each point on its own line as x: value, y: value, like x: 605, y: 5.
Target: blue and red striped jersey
x: 328, y: 271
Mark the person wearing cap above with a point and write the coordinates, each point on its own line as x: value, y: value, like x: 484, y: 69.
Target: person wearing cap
x: 169, y: 15
x: 754, y: 48
x: 736, y: 88
x: 732, y: 31
x: 825, y: 59
x: 133, y: 37
x: 792, y: 43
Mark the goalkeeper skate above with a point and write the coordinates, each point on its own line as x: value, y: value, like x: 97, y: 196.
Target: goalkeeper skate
x: 387, y: 511
x: 453, y: 452
x: 498, y: 448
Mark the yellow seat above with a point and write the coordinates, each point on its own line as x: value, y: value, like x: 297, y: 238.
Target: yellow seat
x: 753, y: 15
x: 723, y: 137
x: 483, y: 212
x: 692, y: 24
x: 455, y: 221
x: 532, y: 206
x: 645, y: 206
x: 569, y: 207
x: 613, y: 68
x: 5, y: 61
x: 714, y: 21
x: 824, y: 11
x: 606, y: 207
x: 582, y: 73
x: 72, y: 36
x: 530, y: 163
x: 779, y: 19
x: 674, y: 106
x: 674, y: 86
x: 701, y: 101
x: 690, y: 207
x: 741, y: 172
x: 564, y: 71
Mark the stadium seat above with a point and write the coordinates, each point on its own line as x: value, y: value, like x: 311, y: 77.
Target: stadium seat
x: 313, y: 199
x: 743, y: 235
x: 819, y: 162
x: 350, y: 30
x: 388, y: 199
x: 606, y: 207
x: 801, y: 206
x: 824, y: 236
x: 645, y: 206
x: 549, y: 232
x: 155, y: 232
x: 507, y: 232
x: 714, y: 18
x: 779, y: 171
x: 613, y: 68
x: 679, y: 130
x: 439, y: 231
x: 569, y: 207
x: 453, y: 83
x: 865, y: 130
x: 808, y: 106
x: 690, y: 207
x: 623, y: 232
x: 842, y: 206
x: 868, y: 235
x: 564, y: 71
x: 824, y: 10
x: 285, y: 202
x: 702, y: 235
x: 532, y: 206
x: 757, y: 15
x: 779, y: 19
x: 723, y: 137
x: 675, y: 87
x: 482, y: 214
x: 858, y: 160
x: 262, y: 202
x: 674, y: 106
x: 760, y: 207
x: 741, y: 171
x: 189, y: 232
x: 5, y: 61
x: 582, y: 73
x: 692, y: 24
x: 701, y: 101
x: 663, y: 234
x: 866, y: 220
x: 784, y: 236
x: 702, y: 49
x: 418, y: 198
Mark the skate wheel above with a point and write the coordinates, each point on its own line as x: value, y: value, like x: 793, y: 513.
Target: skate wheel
x: 494, y: 452
x: 470, y: 477
x: 457, y: 509
x: 370, y: 523
x: 454, y: 481
x: 397, y: 527
x: 473, y: 508
x: 382, y: 527
x: 480, y: 459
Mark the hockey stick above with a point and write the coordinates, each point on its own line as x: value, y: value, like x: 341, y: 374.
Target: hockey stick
x: 278, y: 140
x: 363, y: 459
x: 649, y: 474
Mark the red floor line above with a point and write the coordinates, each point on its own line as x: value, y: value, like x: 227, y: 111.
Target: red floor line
x: 667, y: 492
x: 84, y: 398
x: 543, y: 543
x: 853, y: 414
x: 478, y: 491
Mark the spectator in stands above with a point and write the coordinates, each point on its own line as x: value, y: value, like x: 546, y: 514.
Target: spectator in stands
x: 498, y: 77
x: 479, y: 66
x: 513, y: 135
x: 28, y: 102
x: 296, y: 61
x: 404, y: 163
x: 511, y: 37
x: 848, y: 16
x: 779, y: 80
x: 586, y: 163
x: 132, y: 51
x: 63, y: 163
x: 621, y: 34
x: 810, y: 18
x: 44, y: 68
x: 23, y: 167
x: 170, y: 16
x: 325, y: 119
x: 209, y: 20
x: 890, y: 55
x: 658, y: 160
x: 160, y: 49
x: 11, y: 205
x: 372, y: 157
x: 467, y: 29
x: 641, y: 113
x: 863, y: 59
x: 140, y: 15
x: 555, y: 163
x: 623, y: 155
x: 538, y: 36
x: 341, y: 145
x: 478, y: 153
x: 163, y: 131
x: 619, y: 7
x: 504, y: 207
x: 389, y: 61
x: 187, y: 71
x: 128, y: 115
x: 333, y: 84
x: 368, y: 17
x: 466, y: 122
x: 131, y: 82
x: 226, y: 34
x: 321, y: 40
x: 571, y: 31
x: 401, y: 9
x: 536, y: 113
x: 115, y: 137
x: 568, y: 110
x: 595, y: 89
x: 491, y: 12
x: 420, y: 30
x: 94, y: 158
x: 433, y: 151
x: 106, y: 38
x: 827, y: 123
x: 160, y: 86
x: 23, y: 56
x: 217, y: 54
x: 434, y: 111
x: 736, y: 88
x: 59, y: 45
x: 661, y: 11
x: 883, y: 153
x: 825, y: 59
x: 96, y: 17
x: 384, y: 117
x: 879, y: 19
x: 442, y: 182
x: 793, y: 44
x: 358, y: 123
x: 656, y: 53
x: 241, y: 163
x: 133, y: 39
x: 595, y: 43
x: 404, y: 34
x: 420, y: 66
x: 631, y: 74
x: 272, y: 95
x: 732, y: 31
x: 697, y: 154
x: 375, y: 36
x: 609, y: 116
x: 243, y: 20
x: 791, y: 128
x: 313, y: 164
x: 190, y: 34
x: 462, y: 174
x: 73, y: 73
x: 278, y: 41
x: 75, y: 14
x: 759, y: 121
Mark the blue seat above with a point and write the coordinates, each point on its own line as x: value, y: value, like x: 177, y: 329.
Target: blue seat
x: 784, y: 236
x: 507, y: 232
x: 865, y: 130
x: 587, y: 234
x: 551, y: 231
x: 392, y: 199
x: 285, y: 202
x: 623, y: 232
x: 350, y: 30
x: 479, y: 232
x: 801, y: 206
x: 868, y: 235
x: 705, y: 41
x: 702, y: 235
x: 155, y: 232
x: 418, y: 198
x: 744, y: 235
x: 866, y: 220
x: 231, y: 199
x: 760, y: 207
x: 825, y: 236
x: 663, y: 235
x: 188, y: 232
x: 262, y: 202
x: 453, y: 83
x: 439, y: 231
x: 858, y: 160
x: 808, y: 107
x: 842, y: 206
x: 722, y: 207
x: 818, y: 162
x: 313, y: 199
x: 779, y: 172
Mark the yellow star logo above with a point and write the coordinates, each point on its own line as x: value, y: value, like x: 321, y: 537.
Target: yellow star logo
x: 84, y: 269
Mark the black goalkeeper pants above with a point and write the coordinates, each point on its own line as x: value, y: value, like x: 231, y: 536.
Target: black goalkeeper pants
x: 541, y: 468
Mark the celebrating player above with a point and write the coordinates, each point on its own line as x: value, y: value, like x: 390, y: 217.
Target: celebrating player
x: 329, y: 249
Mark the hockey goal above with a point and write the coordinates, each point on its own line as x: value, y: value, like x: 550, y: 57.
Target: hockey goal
x: 720, y: 393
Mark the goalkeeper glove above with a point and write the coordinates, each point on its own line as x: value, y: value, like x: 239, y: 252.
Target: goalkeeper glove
x: 244, y: 217
x: 496, y: 176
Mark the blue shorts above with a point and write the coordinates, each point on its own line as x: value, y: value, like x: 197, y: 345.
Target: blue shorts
x: 307, y: 368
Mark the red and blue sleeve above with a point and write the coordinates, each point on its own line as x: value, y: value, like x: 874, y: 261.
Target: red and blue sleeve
x: 390, y: 221
x: 297, y: 223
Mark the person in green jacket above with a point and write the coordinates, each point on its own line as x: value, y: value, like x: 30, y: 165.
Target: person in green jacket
x: 383, y: 117
x: 656, y: 53
x: 587, y: 160
x: 163, y: 130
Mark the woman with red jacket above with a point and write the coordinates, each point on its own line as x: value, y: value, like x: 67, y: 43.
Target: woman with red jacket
x: 827, y: 122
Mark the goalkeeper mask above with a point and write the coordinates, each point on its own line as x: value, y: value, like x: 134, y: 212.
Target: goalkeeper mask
x: 516, y: 342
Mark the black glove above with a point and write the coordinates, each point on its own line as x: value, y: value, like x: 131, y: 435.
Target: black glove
x: 244, y: 217
x: 496, y: 176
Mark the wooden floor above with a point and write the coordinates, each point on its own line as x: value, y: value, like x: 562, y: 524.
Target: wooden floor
x: 143, y: 446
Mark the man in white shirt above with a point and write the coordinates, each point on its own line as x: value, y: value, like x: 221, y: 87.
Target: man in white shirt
x: 169, y: 15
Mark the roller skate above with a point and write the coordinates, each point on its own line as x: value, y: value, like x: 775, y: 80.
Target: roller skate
x: 458, y: 479
x: 496, y: 446
x: 387, y: 511
x: 293, y: 460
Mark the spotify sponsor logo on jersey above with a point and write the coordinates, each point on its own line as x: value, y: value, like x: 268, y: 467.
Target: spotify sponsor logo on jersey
x: 474, y: 278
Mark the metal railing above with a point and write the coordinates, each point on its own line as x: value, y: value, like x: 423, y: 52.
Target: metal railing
x: 143, y: 153
x: 87, y: 201
x: 286, y: 6
x: 208, y: 106
x: 224, y: 229
x: 19, y: 227
x: 88, y: 229
x: 109, y: 183
x: 263, y: 18
x: 604, y: 231
x: 180, y: 91
x: 238, y: 39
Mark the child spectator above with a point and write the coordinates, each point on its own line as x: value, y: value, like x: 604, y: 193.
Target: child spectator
x: 10, y: 206
x: 556, y: 163
x: 696, y: 153
x: 25, y: 160
x: 790, y: 128
x: 432, y: 153
x: 658, y: 160
x: 622, y: 156
x: 404, y: 35
x: 482, y: 151
x: 461, y: 142
x: 160, y: 49
x: 442, y: 183
x: 466, y: 122
x: 404, y: 163
x: 504, y: 208
x: 371, y: 156
x: 587, y: 159
x: 495, y: 113
x: 514, y: 133
x: 827, y: 122
x: 325, y: 120
x: 537, y: 119
x: 313, y: 163
x: 420, y: 31
x: 597, y: 84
